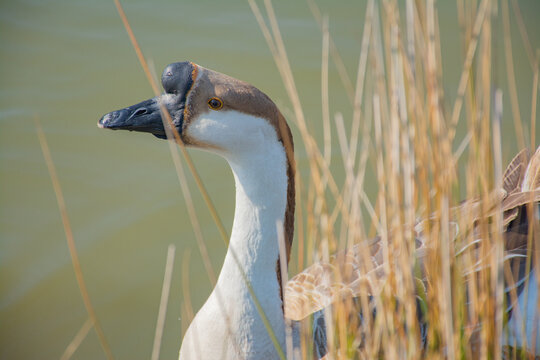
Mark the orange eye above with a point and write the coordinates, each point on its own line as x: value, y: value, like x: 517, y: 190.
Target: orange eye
x: 215, y: 103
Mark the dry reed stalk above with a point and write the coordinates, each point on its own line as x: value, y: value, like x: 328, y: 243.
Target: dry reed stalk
x: 77, y: 340
x: 160, y: 324
x: 510, y: 74
x: 188, y: 307
x: 471, y: 49
x: 327, y: 148
x: 524, y: 36
x: 336, y: 57
x: 171, y: 131
x: 70, y: 240
x: 533, y: 100
x: 498, y: 254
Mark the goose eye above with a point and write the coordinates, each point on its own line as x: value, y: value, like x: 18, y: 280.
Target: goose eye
x: 215, y: 103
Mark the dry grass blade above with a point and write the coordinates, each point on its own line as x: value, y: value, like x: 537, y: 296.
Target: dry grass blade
x: 167, y: 122
x: 338, y: 61
x: 77, y: 340
x: 324, y: 95
x: 185, y: 286
x: 167, y: 277
x: 524, y: 36
x: 70, y: 241
x: 360, y: 81
x: 533, y: 102
x: 471, y: 49
x: 498, y: 261
x: 511, y: 76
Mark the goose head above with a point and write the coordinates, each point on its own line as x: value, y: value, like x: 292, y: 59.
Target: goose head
x: 209, y: 110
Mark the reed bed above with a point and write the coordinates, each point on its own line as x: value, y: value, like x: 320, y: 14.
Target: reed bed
x: 402, y: 132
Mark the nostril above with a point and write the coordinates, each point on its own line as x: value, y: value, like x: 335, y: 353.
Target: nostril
x: 105, y: 119
x: 103, y: 122
x: 140, y: 111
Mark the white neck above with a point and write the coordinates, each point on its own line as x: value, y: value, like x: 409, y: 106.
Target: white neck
x: 229, y: 324
x: 261, y: 198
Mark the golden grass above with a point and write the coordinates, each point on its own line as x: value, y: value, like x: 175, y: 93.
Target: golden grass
x: 167, y: 277
x: 73, y: 252
x: 409, y: 136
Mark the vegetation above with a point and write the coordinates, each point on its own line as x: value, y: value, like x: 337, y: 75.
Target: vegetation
x: 403, y: 132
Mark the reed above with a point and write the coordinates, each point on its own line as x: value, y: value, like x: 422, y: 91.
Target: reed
x: 93, y: 320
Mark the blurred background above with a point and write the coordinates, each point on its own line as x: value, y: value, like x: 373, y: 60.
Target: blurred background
x: 68, y: 63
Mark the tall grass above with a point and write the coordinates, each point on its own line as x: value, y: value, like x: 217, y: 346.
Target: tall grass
x: 92, y: 317
x: 403, y: 132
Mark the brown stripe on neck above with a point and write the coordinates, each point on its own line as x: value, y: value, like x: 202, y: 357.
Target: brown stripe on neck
x: 285, y: 136
x: 240, y: 96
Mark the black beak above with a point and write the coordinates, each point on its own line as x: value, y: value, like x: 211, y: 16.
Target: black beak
x: 143, y: 117
x: 146, y: 116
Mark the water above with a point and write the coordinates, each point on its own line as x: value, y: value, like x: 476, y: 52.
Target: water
x: 69, y: 62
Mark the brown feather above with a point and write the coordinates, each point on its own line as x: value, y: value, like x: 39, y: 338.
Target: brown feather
x: 513, y: 176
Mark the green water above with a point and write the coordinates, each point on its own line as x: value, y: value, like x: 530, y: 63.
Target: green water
x: 69, y: 62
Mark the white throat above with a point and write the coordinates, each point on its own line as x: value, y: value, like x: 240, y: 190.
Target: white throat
x: 229, y: 325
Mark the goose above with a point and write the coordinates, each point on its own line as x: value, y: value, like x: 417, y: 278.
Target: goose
x: 231, y: 118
